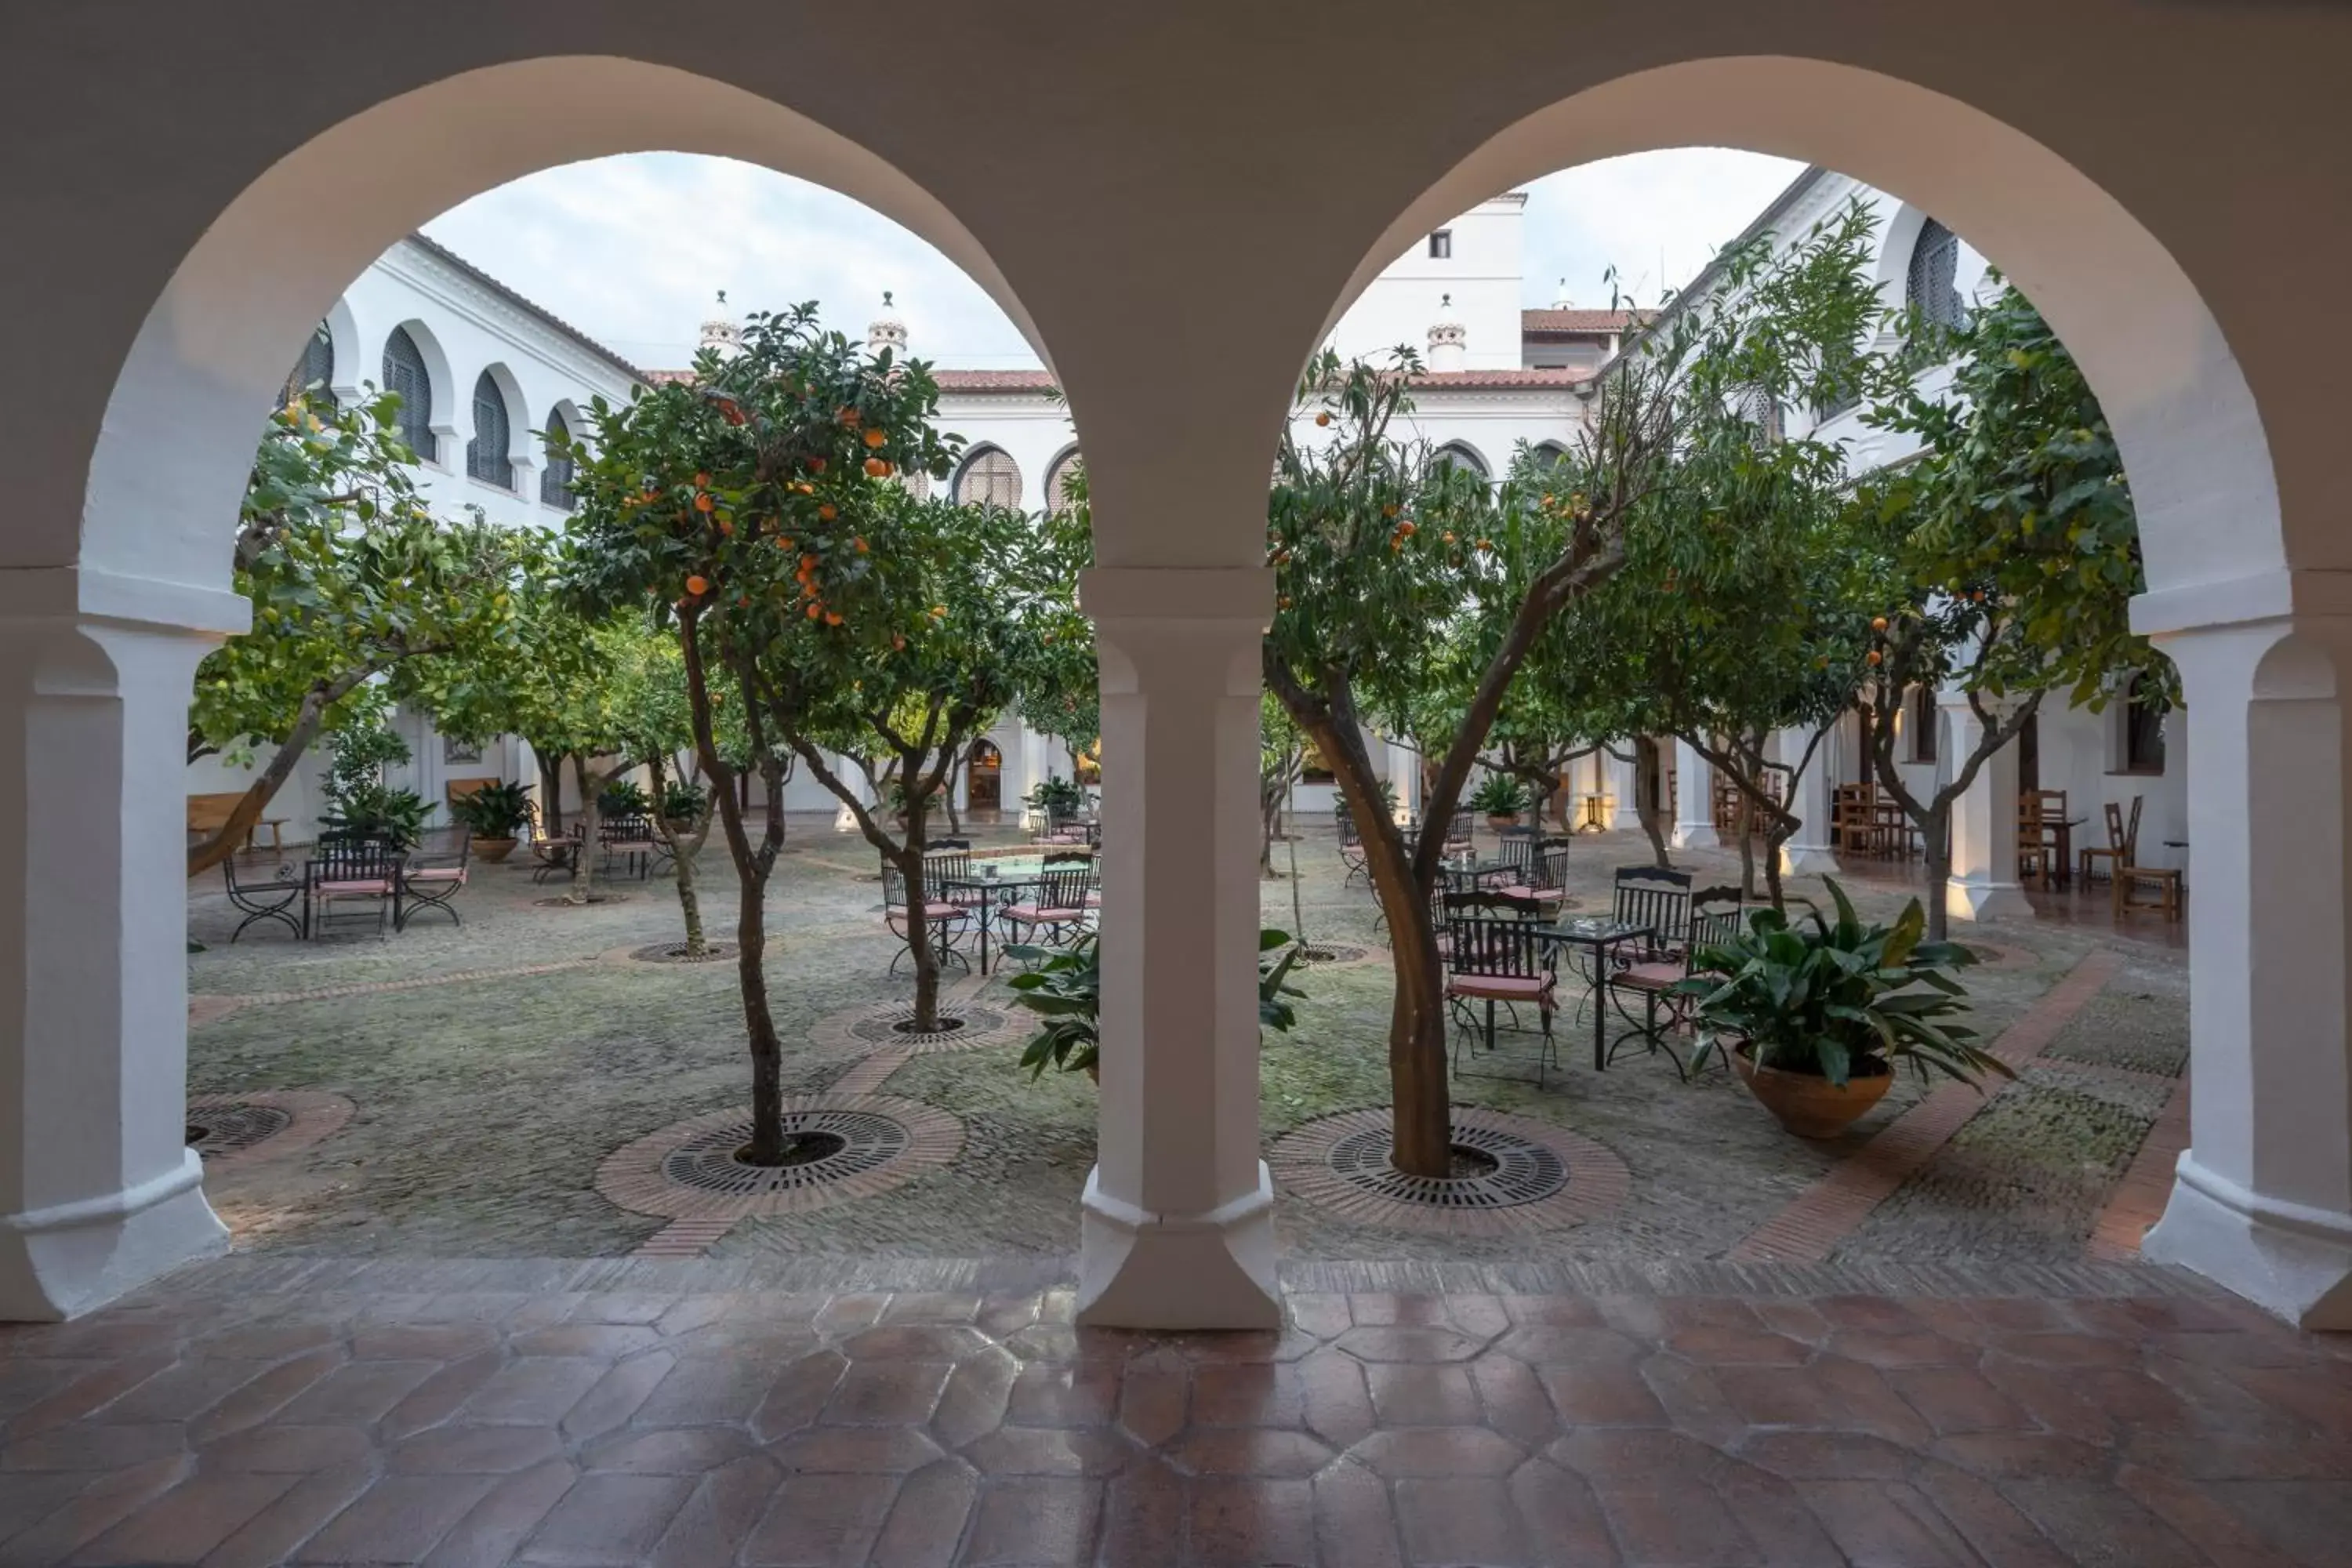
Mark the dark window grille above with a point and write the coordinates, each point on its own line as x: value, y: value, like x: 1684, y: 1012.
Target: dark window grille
x: 1453, y: 454
x: 487, y: 457
x: 1058, y: 480
x: 313, y: 377
x: 1933, y: 289
x: 1924, y: 725
x: 2143, y: 729
x: 988, y: 478
x: 405, y: 372
x: 555, y: 479
x: 1441, y: 245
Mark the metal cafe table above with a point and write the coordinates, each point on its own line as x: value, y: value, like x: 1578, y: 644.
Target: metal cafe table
x: 1599, y: 937
x: 1464, y: 875
x: 990, y: 886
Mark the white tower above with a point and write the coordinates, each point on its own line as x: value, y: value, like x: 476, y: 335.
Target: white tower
x: 1448, y: 340
x: 722, y: 332
x: 887, y: 332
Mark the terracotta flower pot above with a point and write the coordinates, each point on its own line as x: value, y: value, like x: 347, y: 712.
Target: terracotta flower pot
x: 1806, y: 1104
x: 1500, y: 820
x: 494, y: 850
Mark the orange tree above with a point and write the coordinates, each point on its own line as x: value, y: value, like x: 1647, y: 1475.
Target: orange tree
x: 1381, y: 555
x: 737, y: 509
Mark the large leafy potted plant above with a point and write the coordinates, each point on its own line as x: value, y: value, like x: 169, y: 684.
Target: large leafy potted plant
x: 1065, y: 990
x: 1502, y: 798
x: 1816, y: 1017
x: 495, y: 815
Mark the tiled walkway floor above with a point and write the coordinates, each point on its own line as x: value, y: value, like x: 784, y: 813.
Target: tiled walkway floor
x: 363, y: 1416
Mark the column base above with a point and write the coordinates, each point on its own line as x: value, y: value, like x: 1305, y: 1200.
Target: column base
x: 1696, y: 836
x: 1808, y: 860
x: 2287, y: 1258
x: 1967, y: 900
x: 60, y: 1262
x: 1143, y: 1270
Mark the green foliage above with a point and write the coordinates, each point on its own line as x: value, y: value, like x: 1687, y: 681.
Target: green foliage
x: 1065, y: 989
x: 350, y: 577
x: 624, y: 797
x: 1057, y: 794
x: 1058, y: 685
x: 379, y: 811
x: 1498, y: 795
x: 684, y: 800
x: 1839, y: 1000
x: 2013, y: 544
x: 495, y: 810
x: 363, y: 749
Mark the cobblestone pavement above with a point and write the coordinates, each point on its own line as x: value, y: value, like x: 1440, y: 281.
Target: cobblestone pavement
x: 492, y: 1067
x: 260, y: 1411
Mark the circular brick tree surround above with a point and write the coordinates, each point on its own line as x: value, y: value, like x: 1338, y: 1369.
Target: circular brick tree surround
x: 266, y: 1124
x: 644, y: 1177
x: 1595, y: 1179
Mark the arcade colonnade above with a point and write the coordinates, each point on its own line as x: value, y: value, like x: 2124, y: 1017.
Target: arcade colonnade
x: 200, y: 199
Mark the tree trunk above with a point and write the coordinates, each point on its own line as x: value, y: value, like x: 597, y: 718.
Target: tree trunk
x: 918, y: 924
x: 247, y: 811
x: 1775, y: 835
x: 1298, y: 899
x: 955, y: 820
x: 550, y: 785
x: 1649, y: 795
x: 1936, y: 833
x: 1269, y: 814
x: 584, y: 866
x: 1740, y: 824
x: 684, y: 848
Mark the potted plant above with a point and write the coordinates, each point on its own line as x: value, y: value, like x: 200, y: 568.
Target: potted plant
x: 683, y: 802
x: 1502, y: 798
x: 1065, y: 990
x: 1056, y: 799
x: 1816, y: 1019
x: 378, y: 811
x: 623, y: 797
x: 495, y: 815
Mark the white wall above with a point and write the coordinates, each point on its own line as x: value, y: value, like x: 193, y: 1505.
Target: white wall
x: 1483, y: 276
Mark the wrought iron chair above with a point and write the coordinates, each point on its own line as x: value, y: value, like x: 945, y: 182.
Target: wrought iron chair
x: 560, y: 853
x: 265, y: 886
x: 1658, y: 897
x: 432, y: 874
x: 628, y: 839
x: 1495, y: 955
x: 1353, y: 854
x: 1459, y: 829
x: 352, y: 868
x: 945, y: 921
x: 1541, y: 866
x: 1059, y: 912
x: 1714, y: 918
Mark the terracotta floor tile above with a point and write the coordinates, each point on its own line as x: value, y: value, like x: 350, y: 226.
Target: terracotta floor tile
x: 1268, y: 1395
x: 185, y: 1523
x: 1673, y: 1523
x: 821, y: 1520
x: 397, y: 1519
x: 1246, y: 1523
x: 1410, y: 1396
x: 608, y: 1519
x: 1460, y: 1519
x: 1603, y: 1396
x: 539, y: 1389
x: 927, y: 1518
x: 1355, y: 1521
x: 1035, y: 1521
x: 887, y: 1393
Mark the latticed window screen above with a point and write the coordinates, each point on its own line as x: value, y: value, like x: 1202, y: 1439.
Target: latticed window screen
x: 989, y: 477
x: 313, y: 374
x: 555, y: 479
x: 1933, y: 289
x: 1453, y: 454
x: 1058, y: 480
x: 405, y: 372
x: 486, y: 454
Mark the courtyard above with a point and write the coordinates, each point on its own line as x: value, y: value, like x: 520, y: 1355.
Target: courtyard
x: 485, y: 1074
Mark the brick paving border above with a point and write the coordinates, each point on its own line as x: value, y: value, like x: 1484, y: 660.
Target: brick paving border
x: 1811, y: 1224
x: 684, y: 1239
x: 317, y: 1117
x: 2139, y: 1200
x: 1597, y: 1179
x: 632, y: 1177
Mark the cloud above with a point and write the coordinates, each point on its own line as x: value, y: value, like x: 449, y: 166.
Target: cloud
x: 631, y: 249
x: 1656, y: 217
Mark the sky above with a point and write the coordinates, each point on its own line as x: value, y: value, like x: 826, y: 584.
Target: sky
x: 600, y: 245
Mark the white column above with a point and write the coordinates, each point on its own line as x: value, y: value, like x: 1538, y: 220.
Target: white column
x: 2262, y: 1199
x: 1983, y: 884
x: 98, y: 1191
x: 1617, y: 785
x: 1694, y: 800
x: 1811, y: 849
x: 1178, y: 1228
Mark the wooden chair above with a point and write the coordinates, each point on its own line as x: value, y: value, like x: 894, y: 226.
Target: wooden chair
x: 2130, y: 878
x: 2119, y: 843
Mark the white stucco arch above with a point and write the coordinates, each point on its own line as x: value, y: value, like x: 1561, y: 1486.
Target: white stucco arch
x: 522, y: 448
x: 2182, y: 409
x: 451, y: 415
x: 171, y: 452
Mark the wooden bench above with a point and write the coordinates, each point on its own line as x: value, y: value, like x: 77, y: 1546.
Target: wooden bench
x: 208, y: 814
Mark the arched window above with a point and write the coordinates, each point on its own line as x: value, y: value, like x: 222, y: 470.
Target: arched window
x: 486, y: 454
x: 2142, y: 727
x: 1058, y: 480
x: 1934, y: 290
x: 989, y: 477
x: 312, y: 378
x: 405, y: 372
x: 555, y: 478
x: 1455, y: 455
x: 1550, y: 455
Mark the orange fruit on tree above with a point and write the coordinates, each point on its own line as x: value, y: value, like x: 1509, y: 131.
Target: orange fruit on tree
x: 877, y: 437
x: 698, y: 586
x: 814, y: 611
x: 816, y: 465
x: 846, y: 414
x: 1323, y: 418
x: 1878, y: 623
x: 827, y: 512
x: 878, y: 468
x: 832, y: 619
x: 725, y: 528
x: 702, y: 479
x: 897, y: 642
x: 706, y: 502
x: 860, y: 542
x: 938, y: 612
x: 1874, y: 657
x: 1407, y: 529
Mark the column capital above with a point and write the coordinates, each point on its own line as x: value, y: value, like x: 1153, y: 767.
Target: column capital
x: 2236, y: 601
x: 1178, y: 593
x: 58, y: 595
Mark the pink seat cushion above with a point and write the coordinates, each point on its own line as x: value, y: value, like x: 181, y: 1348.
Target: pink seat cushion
x: 376, y: 885
x: 945, y: 911
x: 439, y: 874
x: 1648, y: 976
x: 1094, y: 901
x: 1036, y: 913
x: 1502, y: 987
x: 1545, y: 895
